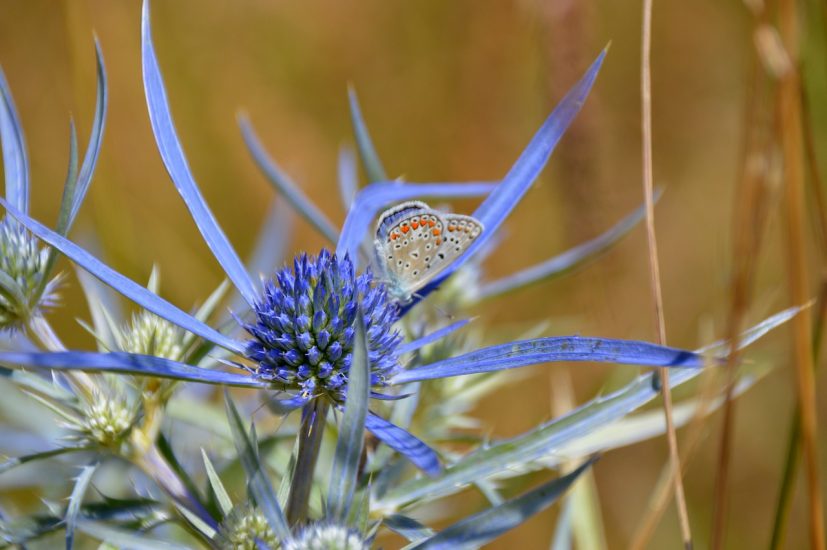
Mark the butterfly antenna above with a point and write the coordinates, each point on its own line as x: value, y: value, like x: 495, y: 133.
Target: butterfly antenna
x: 439, y: 310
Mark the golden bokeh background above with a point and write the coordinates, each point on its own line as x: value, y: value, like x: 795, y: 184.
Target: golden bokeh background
x: 451, y: 91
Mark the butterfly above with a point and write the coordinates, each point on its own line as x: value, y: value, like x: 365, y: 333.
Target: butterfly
x: 415, y: 243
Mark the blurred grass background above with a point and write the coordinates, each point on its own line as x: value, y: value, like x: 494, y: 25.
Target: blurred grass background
x: 451, y: 91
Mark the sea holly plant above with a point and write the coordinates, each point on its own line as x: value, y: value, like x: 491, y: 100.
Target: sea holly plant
x: 327, y: 337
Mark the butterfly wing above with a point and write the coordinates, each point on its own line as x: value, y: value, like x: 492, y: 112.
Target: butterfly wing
x: 460, y: 232
x: 408, y: 242
x: 415, y: 243
x: 390, y: 218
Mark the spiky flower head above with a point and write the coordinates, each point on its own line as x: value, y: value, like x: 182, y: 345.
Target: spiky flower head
x: 148, y: 334
x: 303, y: 334
x: 23, y: 265
x: 243, y: 527
x: 327, y: 537
x: 107, y: 419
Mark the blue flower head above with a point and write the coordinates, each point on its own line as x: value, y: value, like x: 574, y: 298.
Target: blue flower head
x: 303, y: 333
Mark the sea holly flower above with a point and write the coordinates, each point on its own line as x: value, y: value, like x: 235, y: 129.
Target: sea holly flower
x: 274, y: 366
x: 303, y: 334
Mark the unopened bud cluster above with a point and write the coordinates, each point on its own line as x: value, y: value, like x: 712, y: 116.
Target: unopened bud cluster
x: 107, y: 420
x: 243, y: 528
x: 23, y: 266
x: 149, y: 334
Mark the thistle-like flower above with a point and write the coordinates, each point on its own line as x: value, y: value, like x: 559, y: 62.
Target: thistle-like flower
x: 244, y: 528
x: 303, y: 334
x: 148, y: 334
x: 321, y: 536
x: 107, y: 419
x: 25, y: 290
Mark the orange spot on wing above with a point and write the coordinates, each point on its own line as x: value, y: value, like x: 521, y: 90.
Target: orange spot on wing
x: 436, y: 231
x: 452, y: 228
x: 431, y: 223
x: 415, y: 224
x: 394, y: 236
x: 405, y: 228
x: 438, y: 241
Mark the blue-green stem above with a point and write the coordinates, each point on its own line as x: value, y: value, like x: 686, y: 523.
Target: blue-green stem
x: 310, y: 441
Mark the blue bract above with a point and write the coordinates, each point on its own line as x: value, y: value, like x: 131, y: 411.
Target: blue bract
x: 303, y: 333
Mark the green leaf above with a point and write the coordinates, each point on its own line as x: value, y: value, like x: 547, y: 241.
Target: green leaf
x: 287, y: 479
x: 69, y: 184
x: 11, y: 462
x: 538, y: 442
x: 75, y: 501
x: 195, y: 524
x: 286, y: 187
x: 165, y: 448
x: 642, y: 426
x: 481, y: 528
x: 90, y: 159
x: 99, y: 300
x: 134, y: 540
x: 407, y: 527
x: 345, y: 470
x: 257, y: 481
x: 564, y: 262
x: 127, y: 512
x: 217, y: 487
x: 37, y: 384
x: 367, y: 153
